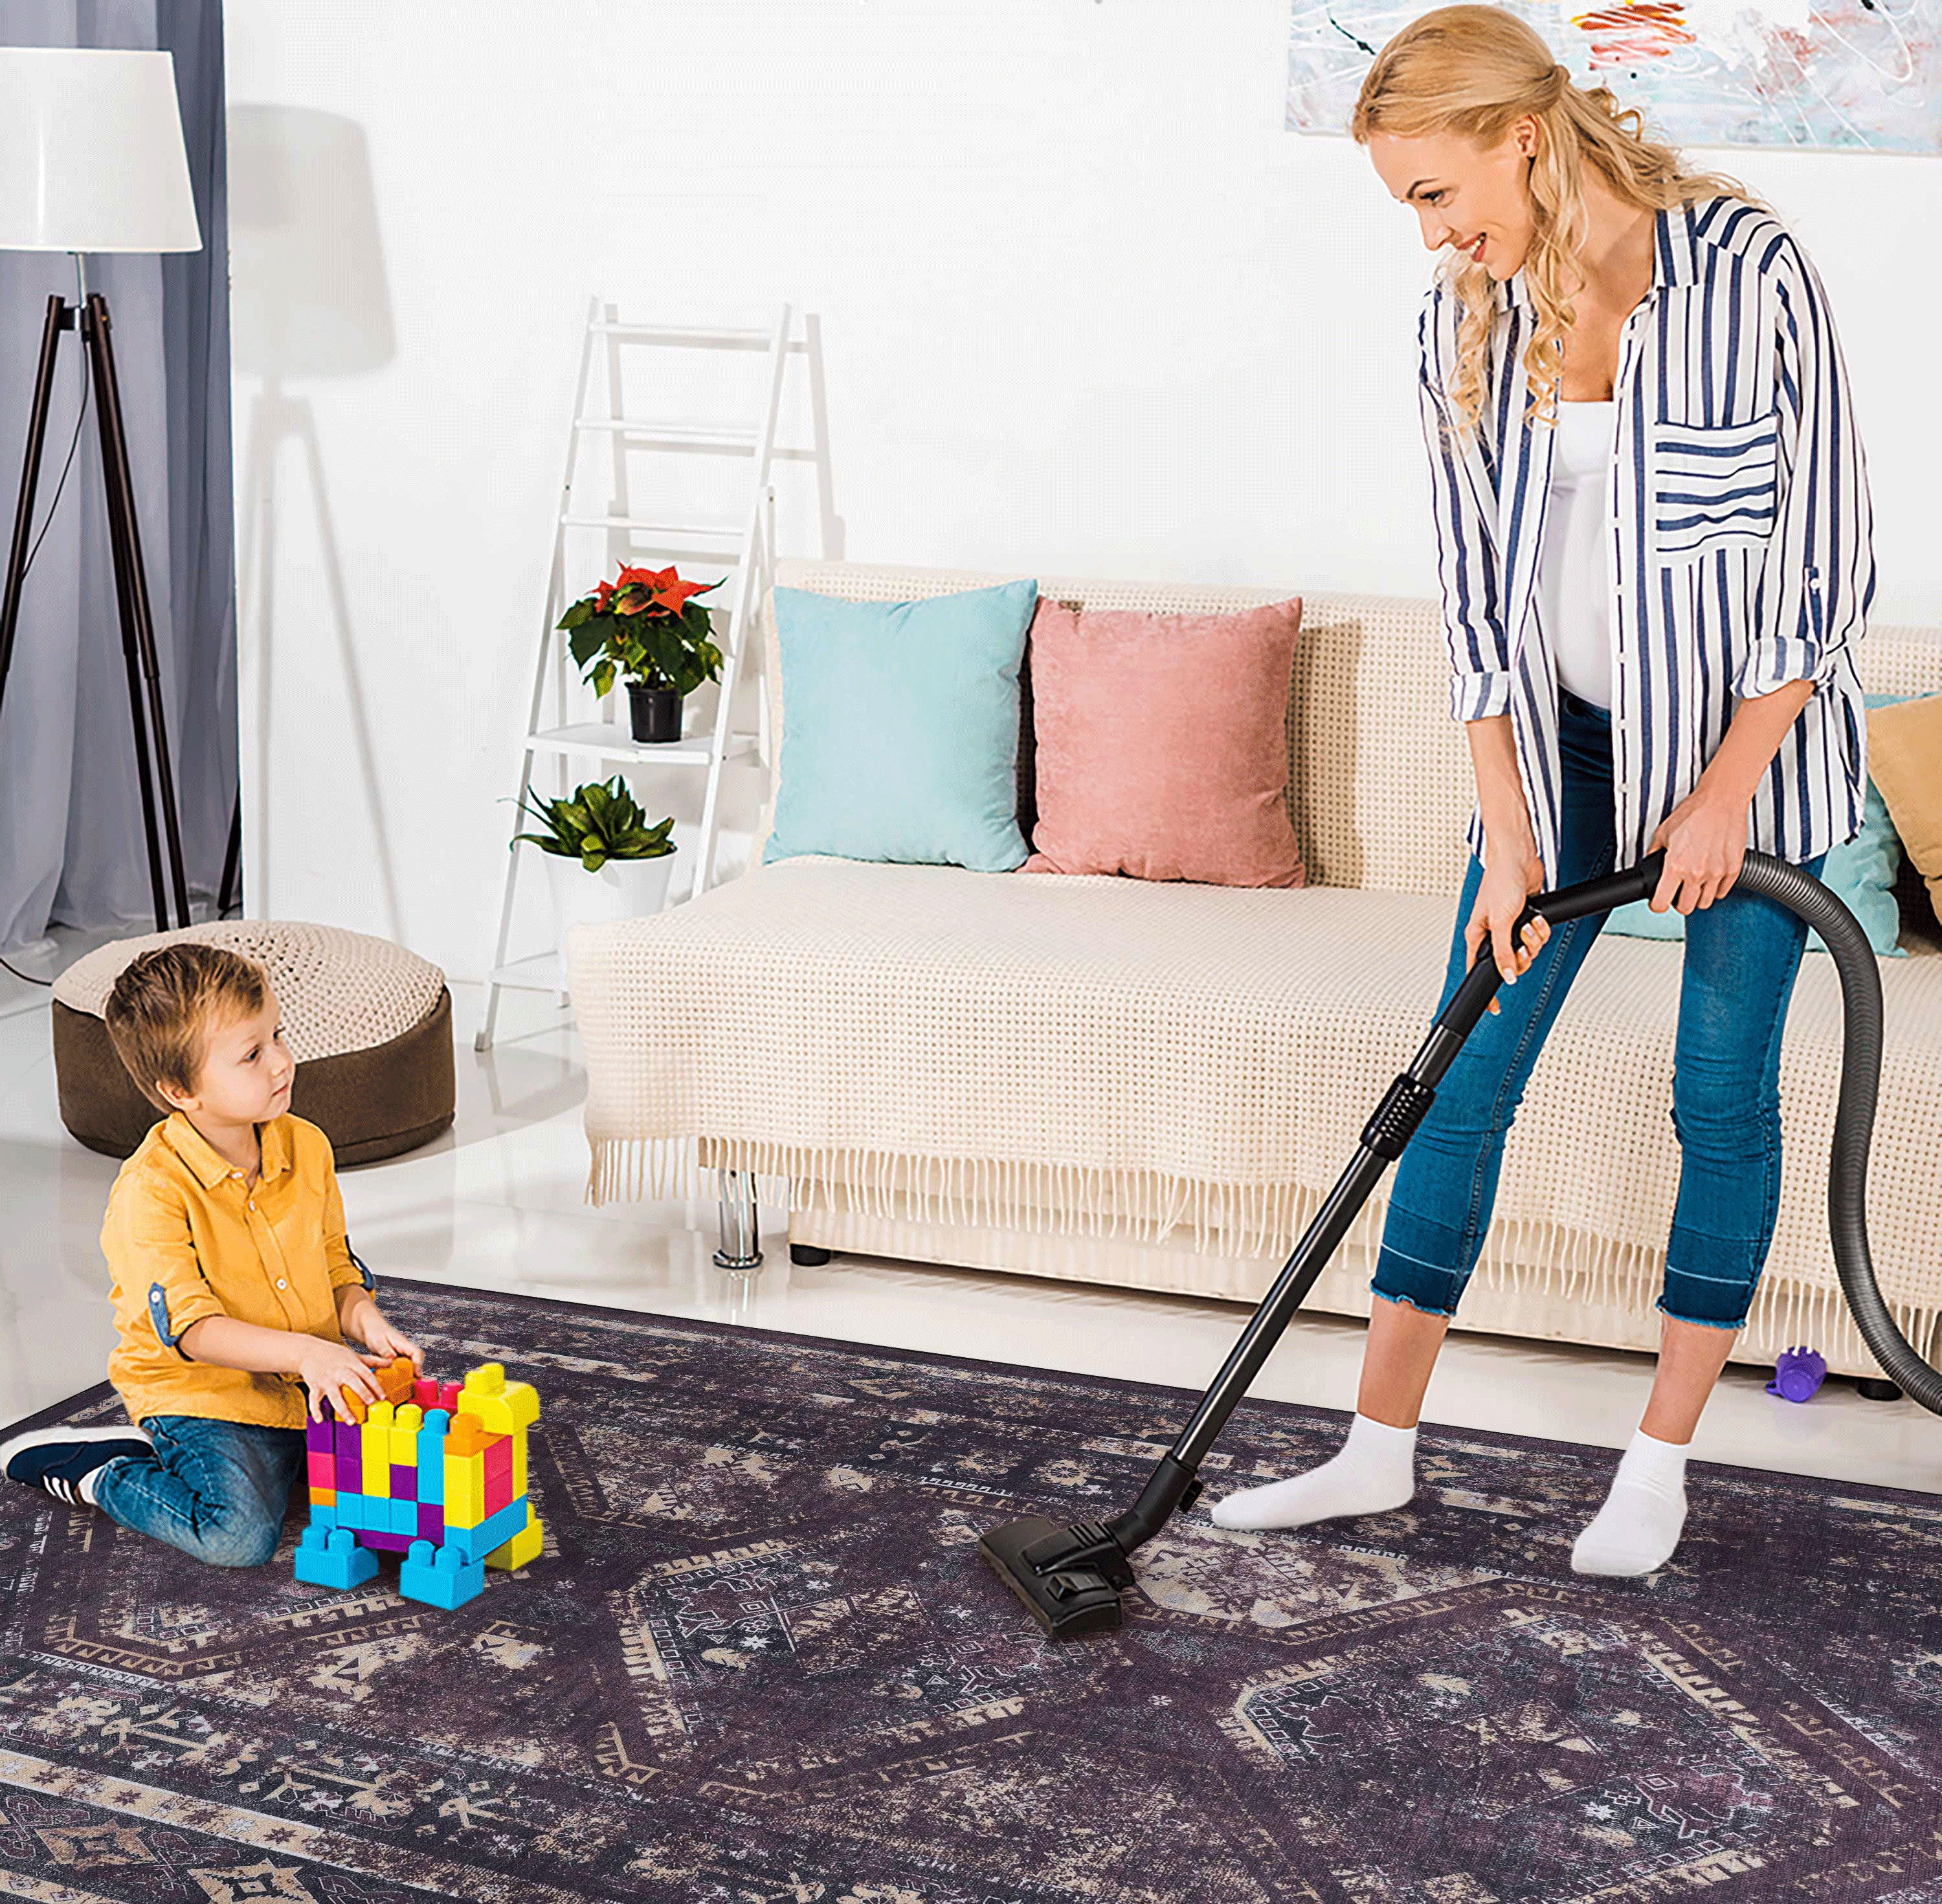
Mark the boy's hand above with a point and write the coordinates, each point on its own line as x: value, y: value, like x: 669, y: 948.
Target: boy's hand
x: 330, y: 1369
x: 384, y: 1341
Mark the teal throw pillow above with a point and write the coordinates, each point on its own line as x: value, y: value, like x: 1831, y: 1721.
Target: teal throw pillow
x: 1859, y: 874
x: 900, y: 727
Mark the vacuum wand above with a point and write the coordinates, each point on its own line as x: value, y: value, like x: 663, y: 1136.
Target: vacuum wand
x: 1071, y: 1577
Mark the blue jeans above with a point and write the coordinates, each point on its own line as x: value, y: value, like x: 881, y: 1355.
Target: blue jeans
x: 216, y: 1489
x: 1742, y: 954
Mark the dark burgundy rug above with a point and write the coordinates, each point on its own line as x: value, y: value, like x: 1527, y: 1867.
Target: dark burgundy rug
x: 760, y: 1662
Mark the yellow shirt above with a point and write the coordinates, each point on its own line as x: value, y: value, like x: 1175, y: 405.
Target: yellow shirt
x: 186, y: 1237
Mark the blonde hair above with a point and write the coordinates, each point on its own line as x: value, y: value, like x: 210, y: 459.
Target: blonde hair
x: 1473, y: 71
x: 167, y: 1002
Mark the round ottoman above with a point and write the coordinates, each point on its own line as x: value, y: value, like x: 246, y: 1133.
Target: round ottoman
x: 368, y: 1023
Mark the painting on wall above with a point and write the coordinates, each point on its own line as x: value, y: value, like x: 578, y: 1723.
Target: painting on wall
x: 1865, y: 75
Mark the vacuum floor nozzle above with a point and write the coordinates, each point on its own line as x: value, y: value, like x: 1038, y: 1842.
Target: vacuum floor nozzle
x: 1065, y: 1601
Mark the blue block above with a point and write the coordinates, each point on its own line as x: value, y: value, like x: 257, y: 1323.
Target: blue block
x: 404, y: 1517
x: 352, y: 1510
x: 494, y: 1532
x: 326, y: 1557
x: 442, y: 1578
x: 431, y: 1456
x: 324, y: 1516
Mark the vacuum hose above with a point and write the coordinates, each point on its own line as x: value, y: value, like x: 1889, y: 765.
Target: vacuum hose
x: 1805, y: 895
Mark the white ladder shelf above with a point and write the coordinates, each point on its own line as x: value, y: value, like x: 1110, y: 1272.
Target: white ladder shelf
x: 738, y: 605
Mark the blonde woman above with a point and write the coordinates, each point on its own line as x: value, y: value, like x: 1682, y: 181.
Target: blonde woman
x: 1652, y: 516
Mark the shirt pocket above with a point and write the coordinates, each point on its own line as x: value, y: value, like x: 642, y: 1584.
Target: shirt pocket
x: 1715, y: 485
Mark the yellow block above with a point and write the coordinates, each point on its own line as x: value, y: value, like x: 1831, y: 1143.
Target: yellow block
x: 524, y: 1546
x: 503, y: 1407
x: 464, y: 1490
x: 519, y: 1462
x: 376, y: 1448
x: 404, y: 1426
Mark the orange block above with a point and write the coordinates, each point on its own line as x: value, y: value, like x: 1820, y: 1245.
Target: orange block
x: 355, y: 1402
x: 466, y: 1436
x: 396, y: 1379
x: 323, y: 1497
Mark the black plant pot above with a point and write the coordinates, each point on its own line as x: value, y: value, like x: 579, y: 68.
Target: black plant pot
x: 654, y: 712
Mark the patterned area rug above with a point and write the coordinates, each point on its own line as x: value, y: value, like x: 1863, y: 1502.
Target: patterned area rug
x: 760, y: 1662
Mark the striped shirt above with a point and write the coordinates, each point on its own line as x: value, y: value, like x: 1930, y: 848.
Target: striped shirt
x: 1742, y: 536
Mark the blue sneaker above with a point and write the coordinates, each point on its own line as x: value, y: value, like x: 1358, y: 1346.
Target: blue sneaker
x: 63, y: 1462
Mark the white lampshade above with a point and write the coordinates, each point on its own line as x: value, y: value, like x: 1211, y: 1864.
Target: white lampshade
x: 91, y: 153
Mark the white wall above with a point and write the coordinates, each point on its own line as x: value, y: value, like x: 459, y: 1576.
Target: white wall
x: 1087, y: 309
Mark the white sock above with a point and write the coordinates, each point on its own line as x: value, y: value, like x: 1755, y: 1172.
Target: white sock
x: 1636, y: 1530
x: 1375, y: 1471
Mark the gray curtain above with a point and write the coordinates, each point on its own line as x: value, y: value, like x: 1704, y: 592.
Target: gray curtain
x: 70, y: 842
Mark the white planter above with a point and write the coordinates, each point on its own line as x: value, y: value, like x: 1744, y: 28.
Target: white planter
x: 623, y: 889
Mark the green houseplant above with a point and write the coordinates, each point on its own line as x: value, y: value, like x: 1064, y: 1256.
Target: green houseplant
x: 646, y: 628
x: 603, y: 860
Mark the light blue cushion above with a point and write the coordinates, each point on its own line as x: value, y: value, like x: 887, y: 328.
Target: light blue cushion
x: 900, y: 727
x: 1860, y: 874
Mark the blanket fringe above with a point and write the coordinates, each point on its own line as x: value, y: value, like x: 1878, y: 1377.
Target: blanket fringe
x: 1153, y: 1206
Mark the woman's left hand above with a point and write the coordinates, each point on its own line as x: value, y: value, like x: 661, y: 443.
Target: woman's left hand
x: 382, y: 1342
x: 1705, y: 839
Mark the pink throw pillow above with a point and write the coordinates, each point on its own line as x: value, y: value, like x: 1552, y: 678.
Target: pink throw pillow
x: 1162, y: 744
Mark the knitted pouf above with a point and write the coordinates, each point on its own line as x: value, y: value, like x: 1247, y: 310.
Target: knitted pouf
x: 368, y: 1023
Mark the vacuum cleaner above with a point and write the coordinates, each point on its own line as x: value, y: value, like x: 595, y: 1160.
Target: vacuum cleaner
x: 1072, y: 1577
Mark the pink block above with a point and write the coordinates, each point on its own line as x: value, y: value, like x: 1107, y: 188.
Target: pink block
x: 499, y: 1455
x: 499, y: 1493
x: 322, y: 1471
x: 424, y: 1392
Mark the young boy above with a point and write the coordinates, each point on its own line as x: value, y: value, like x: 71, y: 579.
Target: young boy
x: 234, y: 1283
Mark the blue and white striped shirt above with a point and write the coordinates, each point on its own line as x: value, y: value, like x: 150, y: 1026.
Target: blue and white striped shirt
x: 1742, y: 536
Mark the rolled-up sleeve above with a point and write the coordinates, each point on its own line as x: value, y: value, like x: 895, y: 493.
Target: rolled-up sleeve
x: 146, y: 1238
x: 1466, y: 563
x: 1818, y: 579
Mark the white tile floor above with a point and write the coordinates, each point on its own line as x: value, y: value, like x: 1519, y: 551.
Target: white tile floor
x: 496, y: 1203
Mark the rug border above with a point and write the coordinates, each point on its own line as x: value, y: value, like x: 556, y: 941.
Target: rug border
x: 56, y: 1411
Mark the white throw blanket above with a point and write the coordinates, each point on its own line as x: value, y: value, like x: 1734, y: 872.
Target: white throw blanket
x: 1047, y: 1052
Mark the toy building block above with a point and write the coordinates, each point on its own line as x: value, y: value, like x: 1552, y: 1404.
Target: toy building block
x: 440, y: 1577
x: 524, y: 1546
x: 502, y: 1407
x: 328, y: 1556
x: 435, y: 1473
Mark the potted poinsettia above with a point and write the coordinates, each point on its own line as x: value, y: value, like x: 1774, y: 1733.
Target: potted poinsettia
x: 603, y: 860
x: 645, y: 628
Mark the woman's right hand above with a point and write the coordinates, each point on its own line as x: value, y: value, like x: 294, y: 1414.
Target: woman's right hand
x: 1509, y: 880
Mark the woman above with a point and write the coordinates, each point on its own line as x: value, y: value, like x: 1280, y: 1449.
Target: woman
x: 1654, y: 530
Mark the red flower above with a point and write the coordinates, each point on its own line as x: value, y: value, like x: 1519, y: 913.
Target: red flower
x: 603, y: 595
x: 669, y: 591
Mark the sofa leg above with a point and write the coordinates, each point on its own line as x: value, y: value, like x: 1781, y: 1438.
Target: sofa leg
x: 740, y: 1246
x: 1872, y: 1388
x: 807, y: 1255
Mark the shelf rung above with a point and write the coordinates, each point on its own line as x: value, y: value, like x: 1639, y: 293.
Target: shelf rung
x: 744, y: 340
x: 690, y: 529
x: 672, y: 433
x: 543, y: 971
x: 608, y: 740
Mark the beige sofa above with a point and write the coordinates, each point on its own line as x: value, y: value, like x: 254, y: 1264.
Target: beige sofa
x: 1155, y: 1085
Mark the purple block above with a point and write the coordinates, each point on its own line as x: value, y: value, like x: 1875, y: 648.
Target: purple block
x: 321, y: 1437
x: 431, y: 1523
x: 350, y: 1440
x: 391, y: 1543
x: 404, y: 1483
x: 349, y: 1475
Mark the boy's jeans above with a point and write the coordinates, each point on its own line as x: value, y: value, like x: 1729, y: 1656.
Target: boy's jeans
x: 1742, y: 954
x: 216, y: 1489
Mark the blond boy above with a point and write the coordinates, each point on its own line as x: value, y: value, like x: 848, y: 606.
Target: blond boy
x: 234, y: 1284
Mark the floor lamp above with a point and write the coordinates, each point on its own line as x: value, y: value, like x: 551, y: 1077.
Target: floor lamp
x: 92, y: 160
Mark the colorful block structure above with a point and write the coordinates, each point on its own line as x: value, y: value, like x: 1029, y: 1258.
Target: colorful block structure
x: 435, y: 1473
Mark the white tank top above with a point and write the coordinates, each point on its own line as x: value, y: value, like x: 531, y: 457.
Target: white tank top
x: 1574, y: 573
